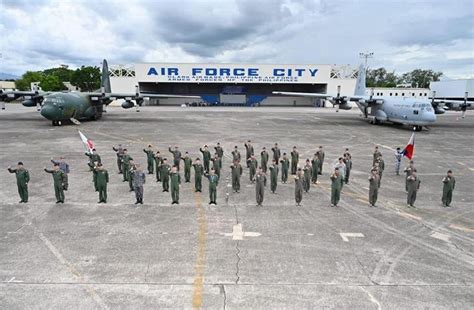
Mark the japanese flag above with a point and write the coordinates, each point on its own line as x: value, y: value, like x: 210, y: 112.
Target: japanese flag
x: 409, y: 150
x: 87, y: 142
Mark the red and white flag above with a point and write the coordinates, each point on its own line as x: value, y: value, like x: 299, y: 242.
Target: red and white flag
x: 409, y: 150
x: 87, y: 142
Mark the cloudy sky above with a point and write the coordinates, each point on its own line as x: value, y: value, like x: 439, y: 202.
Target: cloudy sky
x: 403, y: 35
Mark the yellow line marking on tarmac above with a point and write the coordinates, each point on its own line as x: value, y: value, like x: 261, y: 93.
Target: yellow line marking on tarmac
x: 411, y: 216
x: 201, y: 257
x: 466, y: 229
x: 363, y: 200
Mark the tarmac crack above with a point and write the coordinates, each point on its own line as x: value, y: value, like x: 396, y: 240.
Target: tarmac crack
x: 224, y: 294
x: 237, y: 267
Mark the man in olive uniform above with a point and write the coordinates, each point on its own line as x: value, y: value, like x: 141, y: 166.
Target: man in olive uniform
x: 119, y: 152
x: 260, y: 180
x: 375, y: 155
x: 341, y: 167
x: 373, y: 186
x: 102, y: 177
x: 236, y: 154
x: 285, y: 165
x: 206, y: 156
x: 299, y: 187
x: 295, y: 157
x: 336, y: 186
x: 176, y: 156
x: 219, y: 150
x: 248, y: 152
x: 307, y: 176
x: 213, y: 180
x: 187, y: 167
x: 264, y: 159
x: 175, y: 180
x: 321, y: 159
x: 217, y: 164
x: 347, y: 153
x: 150, y: 158
x: 59, y: 178
x: 126, y: 158
x: 22, y: 179
x: 273, y: 175
x: 158, y: 161
x: 94, y: 176
x: 131, y: 170
x: 237, y: 170
x: 276, y: 153
x: 348, y: 162
x: 381, y: 163
x: 93, y: 157
x: 408, y: 171
x: 315, y: 167
x: 165, y: 175
x: 139, y: 178
x: 63, y: 165
x: 252, y: 164
x: 448, y: 187
x: 198, y: 172
x: 413, y: 187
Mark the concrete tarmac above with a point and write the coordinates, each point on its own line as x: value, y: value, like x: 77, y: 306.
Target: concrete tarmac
x: 84, y: 255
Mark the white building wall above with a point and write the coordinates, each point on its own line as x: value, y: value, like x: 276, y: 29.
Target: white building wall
x: 453, y: 88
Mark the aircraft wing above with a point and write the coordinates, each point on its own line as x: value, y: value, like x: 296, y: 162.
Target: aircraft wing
x: 317, y: 95
x: 11, y: 95
x: 134, y: 96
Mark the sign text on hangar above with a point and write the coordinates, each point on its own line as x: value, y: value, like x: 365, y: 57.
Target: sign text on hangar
x: 235, y: 74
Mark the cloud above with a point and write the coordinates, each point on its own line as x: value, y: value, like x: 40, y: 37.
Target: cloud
x: 403, y: 35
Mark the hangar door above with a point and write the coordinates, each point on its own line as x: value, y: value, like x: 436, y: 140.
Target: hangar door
x: 232, y: 99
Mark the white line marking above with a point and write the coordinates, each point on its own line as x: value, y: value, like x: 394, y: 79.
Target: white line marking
x: 239, y: 234
x: 440, y: 236
x: 372, y: 298
x: 345, y: 236
x: 466, y: 229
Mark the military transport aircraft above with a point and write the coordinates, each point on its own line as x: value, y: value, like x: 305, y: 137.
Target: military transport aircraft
x: 415, y: 112
x: 62, y: 106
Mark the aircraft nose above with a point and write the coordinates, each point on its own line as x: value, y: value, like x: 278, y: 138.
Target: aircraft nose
x: 432, y: 117
x: 50, y: 112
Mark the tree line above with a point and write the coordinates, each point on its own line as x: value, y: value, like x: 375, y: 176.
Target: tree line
x: 417, y: 78
x: 87, y: 78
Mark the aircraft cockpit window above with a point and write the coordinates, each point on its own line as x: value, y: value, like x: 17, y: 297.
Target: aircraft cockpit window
x: 415, y: 112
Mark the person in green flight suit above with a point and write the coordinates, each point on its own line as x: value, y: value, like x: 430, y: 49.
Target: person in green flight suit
x: 315, y: 165
x: 299, y: 187
x: 285, y: 165
x: 373, y: 186
x: 60, y: 184
x: 307, y: 169
x: 264, y: 159
x: 213, y: 180
x: 295, y: 156
x: 252, y: 164
x: 260, y: 181
x: 381, y: 166
x: 119, y: 152
x: 93, y: 157
x: 336, y: 186
x: 217, y: 164
x: 22, y: 180
x: 375, y: 155
x: 408, y: 171
x: 132, y: 169
x: 448, y: 187
x: 276, y: 153
x: 206, y: 157
x: 158, y: 161
x: 321, y: 159
x: 126, y: 158
x: 187, y: 167
x: 219, y: 150
x: 198, y: 173
x: 175, y: 180
x: 413, y: 187
x: 102, y: 178
x: 150, y: 158
x: 273, y: 175
x: 248, y: 152
x: 237, y: 170
x: 165, y: 175
x: 176, y: 156
x: 94, y: 176
x: 236, y: 154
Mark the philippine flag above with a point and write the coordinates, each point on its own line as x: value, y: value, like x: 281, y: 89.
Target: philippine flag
x: 409, y: 150
x: 87, y: 142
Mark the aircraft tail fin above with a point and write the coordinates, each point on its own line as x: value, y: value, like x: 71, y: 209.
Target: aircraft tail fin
x: 105, y: 81
x: 360, y: 84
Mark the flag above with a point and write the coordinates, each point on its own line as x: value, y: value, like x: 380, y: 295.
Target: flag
x: 409, y: 150
x: 87, y: 142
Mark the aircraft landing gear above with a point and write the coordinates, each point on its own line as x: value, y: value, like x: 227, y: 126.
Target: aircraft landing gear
x: 57, y: 123
x: 418, y: 128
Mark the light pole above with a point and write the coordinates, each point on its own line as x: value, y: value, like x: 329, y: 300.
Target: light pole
x: 366, y: 56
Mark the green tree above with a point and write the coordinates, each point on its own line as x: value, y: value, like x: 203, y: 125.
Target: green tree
x: 51, y: 83
x: 26, y: 79
x: 86, y: 78
x: 64, y: 74
x: 381, y: 78
x: 421, y: 78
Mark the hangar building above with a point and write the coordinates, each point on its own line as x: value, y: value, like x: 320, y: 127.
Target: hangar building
x: 233, y: 84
